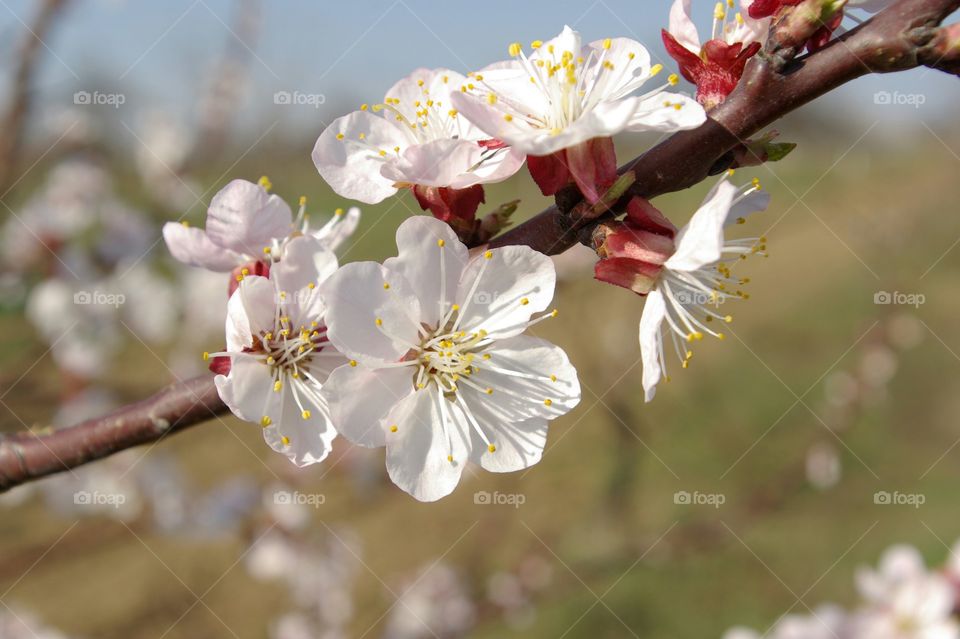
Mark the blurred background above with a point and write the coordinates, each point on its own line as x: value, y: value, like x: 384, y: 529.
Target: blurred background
x: 824, y: 430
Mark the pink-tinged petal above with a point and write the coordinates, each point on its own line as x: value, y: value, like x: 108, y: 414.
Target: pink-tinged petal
x: 593, y: 165
x: 360, y: 399
x: 244, y: 218
x: 419, y: 264
x: 355, y: 298
x: 430, y: 431
x: 654, y: 313
x: 247, y: 390
x: 495, y: 168
x: 682, y: 27
x: 500, y: 294
x: 250, y: 312
x: 192, y: 246
x: 351, y: 164
x: 666, y: 113
x: 700, y: 242
x: 337, y: 229
x: 530, y: 377
x: 519, y: 444
x: 437, y: 163
x: 302, y: 441
x: 632, y: 274
x: 637, y: 244
x: 305, y: 262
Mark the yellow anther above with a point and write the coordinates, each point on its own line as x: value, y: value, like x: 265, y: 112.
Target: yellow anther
x: 455, y: 307
x: 265, y: 421
x: 450, y: 458
x: 311, y: 286
x: 277, y: 385
x: 285, y: 440
x: 655, y: 69
x: 721, y: 336
x: 446, y: 79
x: 441, y: 243
x: 728, y: 319
x: 554, y: 313
x: 379, y: 322
x: 265, y: 183
x: 382, y: 153
x: 536, y: 44
x: 271, y: 361
x: 364, y: 107
x: 492, y: 448
x: 491, y: 98
x: 362, y: 136
x: 553, y: 378
x: 719, y: 13
x: 386, y: 286
x: 305, y: 414
x: 452, y: 113
x: 524, y: 302
x: 508, y: 117
x: 674, y: 79
x: 353, y: 362
x: 607, y: 42
x: 206, y: 356
x: 393, y: 428
x: 185, y: 224
x: 548, y: 402
x: 488, y: 255
x: 489, y: 391
x: 514, y: 49
x: 631, y: 55
x: 486, y: 356
x: 267, y: 250
x: 303, y: 200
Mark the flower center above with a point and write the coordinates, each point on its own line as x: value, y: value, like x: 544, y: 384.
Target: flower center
x: 446, y: 356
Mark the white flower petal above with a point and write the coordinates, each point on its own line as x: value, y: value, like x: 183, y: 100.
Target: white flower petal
x: 519, y: 444
x: 665, y: 113
x: 244, y: 218
x: 355, y: 297
x: 700, y: 242
x: 309, y: 441
x: 351, y: 165
x: 631, y: 67
x: 654, y: 313
x: 682, y: 27
x: 437, y: 163
x: 419, y: 262
x: 337, y: 229
x: 192, y: 246
x: 519, y: 372
x: 360, y: 399
x: 305, y: 261
x: 496, y: 168
x: 247, y: 390
x: 250, y: 311
x: 750, y: 203
x: 495, y: 302
x: 427, y: 435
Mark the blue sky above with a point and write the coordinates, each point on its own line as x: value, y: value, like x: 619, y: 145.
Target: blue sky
x: 159, y: 52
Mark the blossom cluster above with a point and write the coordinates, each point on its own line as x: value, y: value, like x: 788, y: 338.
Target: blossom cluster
x: 431, y: 354
x: 900, y: 599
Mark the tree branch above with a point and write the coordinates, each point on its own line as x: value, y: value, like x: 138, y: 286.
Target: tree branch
x: 27, y: 455
x: 904, y: 36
